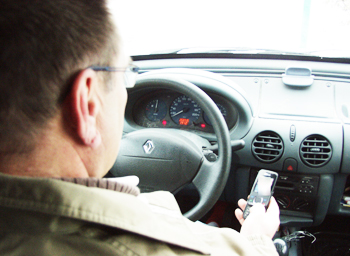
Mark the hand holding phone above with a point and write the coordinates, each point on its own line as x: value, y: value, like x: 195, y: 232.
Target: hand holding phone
x: 262, y: 190
x: 260, y: 221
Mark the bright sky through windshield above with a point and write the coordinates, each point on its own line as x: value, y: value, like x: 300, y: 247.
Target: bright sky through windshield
x: 297, y: 25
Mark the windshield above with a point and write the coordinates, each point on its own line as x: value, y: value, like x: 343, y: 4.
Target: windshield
x: 311, y: 27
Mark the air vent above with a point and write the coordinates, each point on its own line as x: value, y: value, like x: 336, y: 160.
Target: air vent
x: 315, y: 151
x: 267, y: 147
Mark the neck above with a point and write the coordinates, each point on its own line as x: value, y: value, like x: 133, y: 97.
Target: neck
x: 55, y: 155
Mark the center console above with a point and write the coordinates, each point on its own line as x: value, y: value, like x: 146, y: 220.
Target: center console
x: 303, y: 199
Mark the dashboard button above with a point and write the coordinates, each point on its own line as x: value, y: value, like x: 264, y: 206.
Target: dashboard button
x: 292, y: 134
x: 290, y: 165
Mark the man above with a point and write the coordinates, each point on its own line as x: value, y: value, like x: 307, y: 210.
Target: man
x: 61, y: 121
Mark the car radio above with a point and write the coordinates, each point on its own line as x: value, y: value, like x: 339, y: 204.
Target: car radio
x: 295, y: 192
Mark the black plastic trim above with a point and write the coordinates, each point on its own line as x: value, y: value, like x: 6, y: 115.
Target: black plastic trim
x: 241, y: 56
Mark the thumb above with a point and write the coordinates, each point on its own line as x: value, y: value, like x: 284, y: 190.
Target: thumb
x: 257, y: 209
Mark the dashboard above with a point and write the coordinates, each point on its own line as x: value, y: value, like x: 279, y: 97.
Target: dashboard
x: 169, y: 109
x: 292, y: 114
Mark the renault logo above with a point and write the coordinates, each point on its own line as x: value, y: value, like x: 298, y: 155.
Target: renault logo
x: 148, y: 147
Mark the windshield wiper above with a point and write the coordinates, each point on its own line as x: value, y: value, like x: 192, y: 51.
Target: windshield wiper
x: 331, y: 53
x: 236, y: 50
x: 336, y: 56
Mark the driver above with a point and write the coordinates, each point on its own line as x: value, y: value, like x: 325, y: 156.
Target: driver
x: 61, y: 125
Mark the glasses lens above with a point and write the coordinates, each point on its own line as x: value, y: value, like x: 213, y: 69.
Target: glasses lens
x: 130, y: 79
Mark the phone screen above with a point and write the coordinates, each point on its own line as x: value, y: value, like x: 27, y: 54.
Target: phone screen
x: 262, y: 189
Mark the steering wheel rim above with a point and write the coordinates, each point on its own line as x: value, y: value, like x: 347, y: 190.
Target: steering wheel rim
x: 211, y: 178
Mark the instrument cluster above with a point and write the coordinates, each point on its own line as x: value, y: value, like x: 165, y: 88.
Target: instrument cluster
x: 168, y: 109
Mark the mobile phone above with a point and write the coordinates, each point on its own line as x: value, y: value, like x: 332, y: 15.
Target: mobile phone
x: 262, y: 190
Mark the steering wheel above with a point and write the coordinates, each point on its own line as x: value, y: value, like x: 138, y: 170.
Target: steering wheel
x: 169, y: 159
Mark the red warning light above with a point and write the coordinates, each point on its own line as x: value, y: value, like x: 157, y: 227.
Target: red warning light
x: 203, y: 126
x: 164, y: 122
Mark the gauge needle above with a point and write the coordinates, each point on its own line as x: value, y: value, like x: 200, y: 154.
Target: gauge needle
x: 178, y: 113
x: 156, y: 107
x: 185, y: 110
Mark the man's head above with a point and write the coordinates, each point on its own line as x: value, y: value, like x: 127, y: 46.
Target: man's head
x: 46, y: 49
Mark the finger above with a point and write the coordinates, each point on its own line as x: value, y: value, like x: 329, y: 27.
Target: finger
x: 239, y: 215
x: 257, y: 209
x: 242, y: 203
x: 273, y: 207
x: 273, y: 213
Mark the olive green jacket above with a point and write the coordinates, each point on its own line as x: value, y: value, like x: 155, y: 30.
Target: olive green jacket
x: 41, y: 216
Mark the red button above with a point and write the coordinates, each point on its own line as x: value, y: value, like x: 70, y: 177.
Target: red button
x: 290, y: 165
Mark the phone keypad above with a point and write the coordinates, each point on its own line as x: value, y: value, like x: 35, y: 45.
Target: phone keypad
x: 246, y: 211
x: 258, y: 199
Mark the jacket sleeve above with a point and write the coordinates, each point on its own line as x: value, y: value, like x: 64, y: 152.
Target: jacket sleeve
x: 263, y: 245
x: 226, y: 241
x: 214, y: 241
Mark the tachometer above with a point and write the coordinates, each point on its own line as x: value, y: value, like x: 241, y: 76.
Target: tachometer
x: 156, y: 110
x: 222, y: 110
x: 184, y: 110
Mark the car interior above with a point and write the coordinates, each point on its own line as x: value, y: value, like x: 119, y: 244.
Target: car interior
x: 201, y: 123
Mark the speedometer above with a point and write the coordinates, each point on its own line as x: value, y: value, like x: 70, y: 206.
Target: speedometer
x: 184, y: 110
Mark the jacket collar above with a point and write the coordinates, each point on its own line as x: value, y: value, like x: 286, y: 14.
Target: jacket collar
x: 102, y: 206
x: 109, y: 183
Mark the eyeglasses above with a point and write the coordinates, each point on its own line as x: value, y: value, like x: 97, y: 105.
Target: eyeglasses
x: 130, y: 73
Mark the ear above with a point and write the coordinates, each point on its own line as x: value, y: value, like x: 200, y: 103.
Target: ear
x: 84, y: 107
